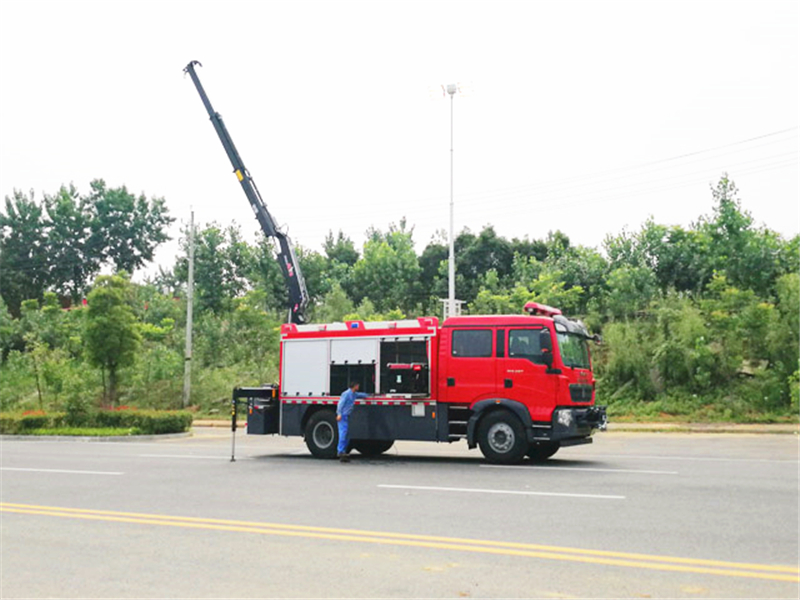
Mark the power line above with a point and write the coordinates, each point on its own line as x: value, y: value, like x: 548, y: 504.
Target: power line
x: 608, y: 193
x: 471, y: 197
x: 479, y: 199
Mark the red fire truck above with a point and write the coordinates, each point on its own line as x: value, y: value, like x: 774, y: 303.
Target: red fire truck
x: 514, y: 385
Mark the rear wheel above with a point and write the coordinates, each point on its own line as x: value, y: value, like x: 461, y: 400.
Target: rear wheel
x: 322, y: 434
x: 372, y: 447
x: 543, y: 451
x: 501, y: 437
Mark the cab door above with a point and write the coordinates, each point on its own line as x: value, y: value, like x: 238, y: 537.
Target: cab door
x: 521, y: 369
x: 467, y: 355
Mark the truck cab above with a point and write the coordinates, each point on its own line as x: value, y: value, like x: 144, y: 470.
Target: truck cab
x: 537, y: 368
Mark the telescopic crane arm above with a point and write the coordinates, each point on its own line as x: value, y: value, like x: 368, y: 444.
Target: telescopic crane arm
x: 298, y: 294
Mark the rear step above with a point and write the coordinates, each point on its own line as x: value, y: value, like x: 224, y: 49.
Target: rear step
x: 457, y: 425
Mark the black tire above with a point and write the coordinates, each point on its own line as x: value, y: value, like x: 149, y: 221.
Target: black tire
x: 501, y: 437
x: 541, y: 452
x: 372, y: 447
x: 322, y: 434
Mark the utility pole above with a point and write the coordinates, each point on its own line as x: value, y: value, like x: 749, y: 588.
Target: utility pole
x: 187, y: 364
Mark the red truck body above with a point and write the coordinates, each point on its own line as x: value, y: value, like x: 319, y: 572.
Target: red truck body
x: 515, y: 385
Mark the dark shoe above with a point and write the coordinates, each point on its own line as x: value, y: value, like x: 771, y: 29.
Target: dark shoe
x: 344, y: 457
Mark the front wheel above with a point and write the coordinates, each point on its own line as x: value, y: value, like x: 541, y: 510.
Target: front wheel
x: 541, y: 452
x: 501, y: 437
x: 322, y: 434
x: 372, y: 447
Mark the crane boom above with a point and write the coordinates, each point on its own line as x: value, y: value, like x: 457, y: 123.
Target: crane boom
x: 298, y: 294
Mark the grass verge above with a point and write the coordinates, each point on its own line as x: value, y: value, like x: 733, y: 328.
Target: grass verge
x: 86, y: 431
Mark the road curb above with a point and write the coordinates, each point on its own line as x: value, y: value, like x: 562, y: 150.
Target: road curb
x: 765, y: 428
x: 751, y: 428
x: 91, y: 438
x: 217, y: 423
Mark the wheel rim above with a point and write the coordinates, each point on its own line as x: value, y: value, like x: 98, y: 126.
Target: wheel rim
x: 322, y: 435
x: 501, y: 437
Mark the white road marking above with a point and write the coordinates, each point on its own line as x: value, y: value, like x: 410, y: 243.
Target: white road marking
x: 580, y: 469
x: 68, y: 471
x: 514, y: 492
x: 695, y: 458
x: 192, y: 456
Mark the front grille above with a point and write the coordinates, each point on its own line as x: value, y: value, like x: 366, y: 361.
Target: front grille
x: 580, y: 392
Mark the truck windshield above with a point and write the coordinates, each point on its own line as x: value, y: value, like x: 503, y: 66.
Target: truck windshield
x: 574, y: 350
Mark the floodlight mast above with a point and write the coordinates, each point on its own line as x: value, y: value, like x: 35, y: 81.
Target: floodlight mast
x: 298, y: 293
x: 451, y: 89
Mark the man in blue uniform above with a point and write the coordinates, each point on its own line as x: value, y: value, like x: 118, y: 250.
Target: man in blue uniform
x: 343, y: 410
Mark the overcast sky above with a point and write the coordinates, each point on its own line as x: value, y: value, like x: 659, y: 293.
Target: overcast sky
x: 583, y: 116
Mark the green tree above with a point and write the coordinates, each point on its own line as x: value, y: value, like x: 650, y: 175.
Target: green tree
x: 630, y: 290
x: 126, y: 229
x: 476, y: 255
x: 624, y: 370
x: 679, y: 258
x: 223, y: 262
x: 112, y: 332
x: 23, y: 251
x: 581, y: 268
x: 751, y: 257
x: 334, y: 306
x: 340, y: 249
x: 152, y: 306
x: 783, y: 339
x: 266, y: 276
x: 315, y: 269
x: 431, y: 260
x: 72, y: 260
x: 623, y: 250
x: 529, y: 248
x: 557, y: 243
x: 389, y: 271
x: 680, y: 344
x: 8, y: 331
x: 31, y: 326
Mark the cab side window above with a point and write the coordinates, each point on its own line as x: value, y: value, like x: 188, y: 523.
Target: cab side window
x: 472, y: 343
x: 527, y: 344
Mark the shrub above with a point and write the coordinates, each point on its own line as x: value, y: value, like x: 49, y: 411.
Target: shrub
x: 11, y: 423
x: 794, y: 392
x: 17, y: 380
x: 146, y: 422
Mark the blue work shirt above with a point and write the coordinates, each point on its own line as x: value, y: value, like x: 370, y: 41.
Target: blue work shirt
x: 346, y: 402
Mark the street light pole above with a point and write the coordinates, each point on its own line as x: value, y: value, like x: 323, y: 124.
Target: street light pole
x: 452, y: 88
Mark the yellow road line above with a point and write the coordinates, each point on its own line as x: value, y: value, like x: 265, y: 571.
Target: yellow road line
x: 408, y: 536
x: 643, y: 561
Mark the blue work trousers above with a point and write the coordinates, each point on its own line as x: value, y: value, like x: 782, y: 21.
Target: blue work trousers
x: 344, y: 438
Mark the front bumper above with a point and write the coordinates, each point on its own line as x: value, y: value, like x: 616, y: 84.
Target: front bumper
x: 572, y: 425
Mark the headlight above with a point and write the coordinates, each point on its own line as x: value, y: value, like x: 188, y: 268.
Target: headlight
x: 565, y: 418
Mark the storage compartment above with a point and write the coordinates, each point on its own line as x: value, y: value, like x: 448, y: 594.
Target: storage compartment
x: 404, y: 367
x: 262, y: 416
x: 354, y: 352
x: 305, y: 368
x: 343, y: 375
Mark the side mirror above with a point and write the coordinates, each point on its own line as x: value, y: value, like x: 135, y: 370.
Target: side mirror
x: 544, y: 340
x: 546, y: 346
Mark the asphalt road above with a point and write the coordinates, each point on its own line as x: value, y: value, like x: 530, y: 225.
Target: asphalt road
x: 633, y: 515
